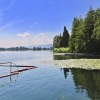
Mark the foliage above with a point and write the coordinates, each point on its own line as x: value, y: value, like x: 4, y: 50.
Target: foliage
x: 85, y: 34
x: 96, y: 33
x: 65, y: 38
x: 25, y: 48
x: 56, y: 41
x: 62, y: 50
x: 62, y: 98
x: 76, y: 39
x: 61, y: 41
x: 88, y: 30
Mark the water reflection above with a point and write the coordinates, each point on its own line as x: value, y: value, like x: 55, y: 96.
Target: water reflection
x: 84, y: 80
x: 65, y: 71
x: 88, y: 80
x: 63, y: 57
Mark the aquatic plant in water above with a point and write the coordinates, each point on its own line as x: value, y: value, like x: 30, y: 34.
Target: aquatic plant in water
x: 89, y: 64
x: 62, y: 98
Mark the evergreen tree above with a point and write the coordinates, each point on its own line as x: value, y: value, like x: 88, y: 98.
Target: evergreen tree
x: 85, y: 34
x: 65, y: 38
x: 73, y: 38
x: 88, y: 30
x: 96, y: 33
x: 79, y: 44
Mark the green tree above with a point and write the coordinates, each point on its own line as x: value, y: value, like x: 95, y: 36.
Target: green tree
x: 73, y: 39
x: 85, y: 34
x: 65, y: 38
x: 56, y: 41
x: 88, y: 30
x: 79, y: 43
x: 96, y: 33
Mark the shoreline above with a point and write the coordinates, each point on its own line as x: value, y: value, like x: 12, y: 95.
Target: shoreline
x: 75, y: 54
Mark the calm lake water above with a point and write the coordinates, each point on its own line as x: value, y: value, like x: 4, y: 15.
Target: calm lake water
x: 47, y: 82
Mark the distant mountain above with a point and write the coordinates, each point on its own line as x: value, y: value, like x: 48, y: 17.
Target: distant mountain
x: 42, y: 46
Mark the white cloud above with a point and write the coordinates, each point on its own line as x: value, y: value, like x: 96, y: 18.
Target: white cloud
x: 24, y: 35
x: 37, y: 39
x: 42, y: 38
x: 27, y: 39
x: 12, y: 43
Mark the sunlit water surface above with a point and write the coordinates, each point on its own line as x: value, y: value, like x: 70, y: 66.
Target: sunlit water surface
x: 47, y: 82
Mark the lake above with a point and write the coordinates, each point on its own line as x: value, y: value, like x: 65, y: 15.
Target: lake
x: 46, y: 82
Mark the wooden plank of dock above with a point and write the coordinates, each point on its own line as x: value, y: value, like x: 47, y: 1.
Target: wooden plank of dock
x: 20, y: 70
x: 24, y: 69
x: 13, y: 73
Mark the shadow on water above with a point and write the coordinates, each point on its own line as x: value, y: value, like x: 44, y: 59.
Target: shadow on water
x: 85, y: 80
x: 63, y: 57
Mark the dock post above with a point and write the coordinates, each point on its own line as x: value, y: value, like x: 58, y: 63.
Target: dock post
x: 10, y: 71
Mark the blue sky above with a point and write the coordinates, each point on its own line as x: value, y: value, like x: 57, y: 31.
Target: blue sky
x: 35, y: 22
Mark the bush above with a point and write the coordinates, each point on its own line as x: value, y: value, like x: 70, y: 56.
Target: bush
x: 62, y: 50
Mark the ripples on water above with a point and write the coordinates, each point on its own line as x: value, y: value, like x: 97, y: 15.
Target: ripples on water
x: 47, y: 82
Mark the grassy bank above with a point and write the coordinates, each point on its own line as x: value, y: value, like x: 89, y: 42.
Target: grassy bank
x: 61, y: 50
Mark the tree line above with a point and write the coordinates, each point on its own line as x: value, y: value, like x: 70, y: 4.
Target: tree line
x: 24, y: 48
x: 85, y: 34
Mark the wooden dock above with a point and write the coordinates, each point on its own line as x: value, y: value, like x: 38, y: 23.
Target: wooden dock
x: 24, y: 69
x: 18, y: 71
x: 13, y: 73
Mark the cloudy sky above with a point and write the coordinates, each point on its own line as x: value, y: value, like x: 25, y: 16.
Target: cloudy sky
x: 35, y: 22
